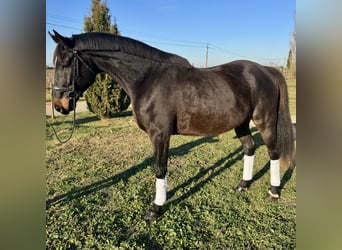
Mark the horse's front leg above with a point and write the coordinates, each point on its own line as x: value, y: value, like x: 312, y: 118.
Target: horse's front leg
x: 160, y: 143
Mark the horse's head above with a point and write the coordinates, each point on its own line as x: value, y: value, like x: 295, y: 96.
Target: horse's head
x: 73, y: 75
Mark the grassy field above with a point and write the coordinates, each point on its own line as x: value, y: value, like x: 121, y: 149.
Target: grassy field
x: 291, y: 84
x: 101, y: 183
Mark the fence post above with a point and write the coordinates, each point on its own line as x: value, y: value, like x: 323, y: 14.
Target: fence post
x: 52, y: 108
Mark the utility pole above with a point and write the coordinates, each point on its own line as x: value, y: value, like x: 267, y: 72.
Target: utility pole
x: 51, y: 94
x: 206, y: 56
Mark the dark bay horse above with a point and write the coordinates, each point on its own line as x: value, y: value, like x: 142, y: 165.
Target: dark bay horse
x: 169, y: 96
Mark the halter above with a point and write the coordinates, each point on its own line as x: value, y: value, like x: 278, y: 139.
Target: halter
x: 73, y: 94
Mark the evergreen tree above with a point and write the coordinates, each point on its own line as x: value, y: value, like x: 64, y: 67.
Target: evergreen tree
x: 105, y: 97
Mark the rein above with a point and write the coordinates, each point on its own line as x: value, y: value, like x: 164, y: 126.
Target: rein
x: 73, y: 94
x: 73, y: 125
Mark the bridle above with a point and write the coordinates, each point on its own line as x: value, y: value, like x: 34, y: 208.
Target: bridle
x: 73, y: 93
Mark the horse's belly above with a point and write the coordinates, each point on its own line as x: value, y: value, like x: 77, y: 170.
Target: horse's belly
x: 211, y: 107
x: 205, y: 124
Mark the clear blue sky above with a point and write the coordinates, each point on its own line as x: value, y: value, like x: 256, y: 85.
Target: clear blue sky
x: 257, y: 30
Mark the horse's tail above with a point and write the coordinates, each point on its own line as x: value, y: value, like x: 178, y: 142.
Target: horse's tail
x: 285, y: 138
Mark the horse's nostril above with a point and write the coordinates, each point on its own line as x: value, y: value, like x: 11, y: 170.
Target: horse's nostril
x: 59, y: 109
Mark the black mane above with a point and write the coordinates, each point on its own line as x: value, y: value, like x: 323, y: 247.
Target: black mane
x: 105, y: 41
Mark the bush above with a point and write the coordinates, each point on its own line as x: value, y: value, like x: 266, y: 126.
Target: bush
x: 106, y: 97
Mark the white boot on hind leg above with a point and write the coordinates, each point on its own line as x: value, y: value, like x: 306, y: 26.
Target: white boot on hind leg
x: 274, y: 192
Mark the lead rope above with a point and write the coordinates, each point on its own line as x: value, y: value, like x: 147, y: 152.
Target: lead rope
x: 73, y: 126
x: 74, y: 107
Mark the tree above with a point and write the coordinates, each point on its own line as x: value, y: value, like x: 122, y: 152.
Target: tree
x: 105, y: 97
x: 100, y: 19
x: 291, y: 59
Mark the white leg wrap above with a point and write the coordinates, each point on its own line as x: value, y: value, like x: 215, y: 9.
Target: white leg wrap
x: 161, y: 189
x: 248, y: 162
x: 275, y: 173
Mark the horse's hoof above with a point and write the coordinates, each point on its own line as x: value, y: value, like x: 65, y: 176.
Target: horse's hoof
x: 154, y: 212
x: 273, y: 195
x: 240, y: 189
x: 243, y: 186
x: 151, y: 216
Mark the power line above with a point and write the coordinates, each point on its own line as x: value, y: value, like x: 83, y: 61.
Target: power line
x: 167, y: 41
x: 146, y: 41
x: 239, y: 55
x: 64, y: 26
x: 65, y: 18
x: 174, y: 44
x: 135, y: 33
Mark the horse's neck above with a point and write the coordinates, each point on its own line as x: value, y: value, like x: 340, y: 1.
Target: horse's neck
x: 127, y: 70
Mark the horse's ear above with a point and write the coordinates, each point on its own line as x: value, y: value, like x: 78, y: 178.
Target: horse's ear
x: 59, y: 39
x: 53, y: 37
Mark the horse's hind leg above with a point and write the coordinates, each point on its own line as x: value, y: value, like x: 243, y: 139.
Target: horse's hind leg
x: 268, y: 131
x: 244, y: 134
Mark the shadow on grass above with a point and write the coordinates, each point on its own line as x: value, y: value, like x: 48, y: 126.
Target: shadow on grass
x: 288, y: 173
x: 215, y: 170
x: 94, y: 118
x: 92, y: 188
x: 60, y: 120
x: 286, y: 177
x: 259, y: 142
x: 67, y: 122
x: 84, y: 120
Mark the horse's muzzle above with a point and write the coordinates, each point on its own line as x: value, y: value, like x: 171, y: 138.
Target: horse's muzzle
x: 62, y: 110
x: 64, y: 105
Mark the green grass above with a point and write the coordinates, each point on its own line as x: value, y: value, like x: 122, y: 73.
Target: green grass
x: 101, y: 183
x: 291, y: 86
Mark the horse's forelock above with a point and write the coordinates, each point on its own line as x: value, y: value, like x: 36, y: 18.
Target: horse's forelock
x: 59, y: 54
